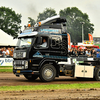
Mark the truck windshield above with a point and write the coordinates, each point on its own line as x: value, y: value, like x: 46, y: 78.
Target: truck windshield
x: 24, y: 42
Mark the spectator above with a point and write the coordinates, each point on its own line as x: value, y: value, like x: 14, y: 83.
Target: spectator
x: 4, y: 52
x: 0, y: 52
x: 84, y: 52
x: 93, y: 52
x: 88, y: 52
x: 2, y: 49
x: 11, y: 51
x: 8, y: 52
x: 71, y: 52
x: 76, y: 53
x: 80, y: 52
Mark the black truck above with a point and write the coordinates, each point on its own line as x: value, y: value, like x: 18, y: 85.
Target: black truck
x: 42, y: 51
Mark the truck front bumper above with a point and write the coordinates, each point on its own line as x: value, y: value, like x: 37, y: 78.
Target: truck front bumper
x: 23, y: 72
x: 22, y: 67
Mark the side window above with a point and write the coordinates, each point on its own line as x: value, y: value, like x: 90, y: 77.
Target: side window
x: 55, y: 42
x: 41, y: 42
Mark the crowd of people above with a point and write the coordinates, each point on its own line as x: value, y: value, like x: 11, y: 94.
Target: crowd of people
x: 6, y: 52
x: 78, y: 52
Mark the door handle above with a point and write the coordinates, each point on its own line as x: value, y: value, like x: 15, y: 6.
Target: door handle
x: 82, y: 71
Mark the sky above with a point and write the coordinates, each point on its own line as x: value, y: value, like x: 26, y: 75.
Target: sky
x: 31, y: 8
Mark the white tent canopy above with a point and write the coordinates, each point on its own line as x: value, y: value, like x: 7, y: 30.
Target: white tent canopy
x: 6, y: 40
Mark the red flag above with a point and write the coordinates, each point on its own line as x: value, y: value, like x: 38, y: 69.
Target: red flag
x: 90, y: 37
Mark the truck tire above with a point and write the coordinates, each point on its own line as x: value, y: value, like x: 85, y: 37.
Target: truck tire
x: 30, y: 77
x: 47, y: 73
x: 97, y: 74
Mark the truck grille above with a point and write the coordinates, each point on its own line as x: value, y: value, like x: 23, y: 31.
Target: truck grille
x: 18, y: 64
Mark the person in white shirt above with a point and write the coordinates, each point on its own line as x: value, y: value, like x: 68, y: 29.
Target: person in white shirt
x: 88, y: 52
x: 44, y: 43
x: 7, y: 51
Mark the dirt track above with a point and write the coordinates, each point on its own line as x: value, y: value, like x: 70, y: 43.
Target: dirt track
x: 9, y: 79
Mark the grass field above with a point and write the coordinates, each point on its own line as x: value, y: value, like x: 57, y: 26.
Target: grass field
x: 6, y: 69
x: 50, y: 87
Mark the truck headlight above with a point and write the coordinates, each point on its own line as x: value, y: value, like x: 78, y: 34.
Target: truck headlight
x: 26, y: 64
x: 14, y: 55
x: 14, y: 65
x: 24, y: 54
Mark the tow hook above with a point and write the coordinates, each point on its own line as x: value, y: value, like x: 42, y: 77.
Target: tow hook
x: 18, y: 75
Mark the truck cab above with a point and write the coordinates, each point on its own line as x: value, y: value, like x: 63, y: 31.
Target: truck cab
x: 33, y: 59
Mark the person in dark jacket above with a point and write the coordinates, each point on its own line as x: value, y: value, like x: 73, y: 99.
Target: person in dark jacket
x: 93, y: 52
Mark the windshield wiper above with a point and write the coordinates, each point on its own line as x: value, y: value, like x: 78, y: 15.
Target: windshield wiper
x: 17, y: 47
x: 21, y: 47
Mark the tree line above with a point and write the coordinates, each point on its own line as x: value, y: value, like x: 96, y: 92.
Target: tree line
x: 10, y: 21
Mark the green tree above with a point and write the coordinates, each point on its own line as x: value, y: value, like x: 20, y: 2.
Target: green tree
x: 31, y: 21
x: 75, y: 18
x: 48, y: 12
x: 10, y: 21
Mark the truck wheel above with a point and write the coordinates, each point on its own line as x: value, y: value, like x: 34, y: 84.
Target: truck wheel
x: 97, y: 74
x: 31, y: 77
x: 47, y: 73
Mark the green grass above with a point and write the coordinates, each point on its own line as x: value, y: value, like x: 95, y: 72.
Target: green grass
x: 51, y: 87
x: 6, y: 70
x: 5, y: 67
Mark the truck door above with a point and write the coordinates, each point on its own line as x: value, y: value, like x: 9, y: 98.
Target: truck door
x: 41, y: 47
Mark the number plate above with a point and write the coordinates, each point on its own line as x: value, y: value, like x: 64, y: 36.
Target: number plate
x: 18, y: 71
